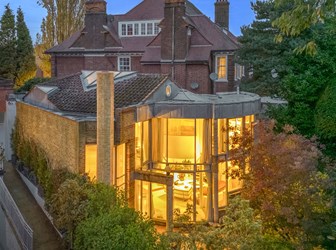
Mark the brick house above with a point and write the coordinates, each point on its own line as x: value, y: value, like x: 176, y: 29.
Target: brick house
x: 165, y: 146
x: 157, y: 36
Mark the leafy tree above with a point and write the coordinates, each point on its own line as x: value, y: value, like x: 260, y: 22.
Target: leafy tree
x: 302, y: 16
x: 312, y: 78
x: 294, y: 200
x: 7, y: 44
x: 64, y: 17
x: 265, y: 57
x: 325, y: 117
x: 25, y: 51
x: 68, y: 206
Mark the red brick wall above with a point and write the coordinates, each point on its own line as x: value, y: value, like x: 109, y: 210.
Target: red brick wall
x: 199, y: 74
x: 4, y: 92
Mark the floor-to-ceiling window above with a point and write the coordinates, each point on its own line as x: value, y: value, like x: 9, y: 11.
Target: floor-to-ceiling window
x: 183, y: 148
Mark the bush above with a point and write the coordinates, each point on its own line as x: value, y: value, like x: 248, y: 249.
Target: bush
x: 28, y: 85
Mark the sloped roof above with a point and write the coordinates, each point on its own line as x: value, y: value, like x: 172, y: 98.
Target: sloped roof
x: 71, y: 96
x: 205, y: 32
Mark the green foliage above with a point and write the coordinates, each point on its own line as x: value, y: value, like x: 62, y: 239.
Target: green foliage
x: 310, y: 80
x: 7, y: 44
x: 25, y: 51
x: 261, y: 53
x: 68, y: 206
x: 28, y: 85
x: 121, y: 228
x: 326, y: 113
x: 302, y: 16
x: 292, y: 197
x: 64, y: 17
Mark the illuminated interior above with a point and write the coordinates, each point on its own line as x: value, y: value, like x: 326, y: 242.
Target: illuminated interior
x: 91, y: 161
x: 182, y: 148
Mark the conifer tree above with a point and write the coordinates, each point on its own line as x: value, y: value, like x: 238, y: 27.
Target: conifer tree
x: 25, y: 51
x: 266, y: 58
x: 7, y: 44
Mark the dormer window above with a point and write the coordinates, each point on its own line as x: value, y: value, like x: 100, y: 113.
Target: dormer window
x: 139, y: 28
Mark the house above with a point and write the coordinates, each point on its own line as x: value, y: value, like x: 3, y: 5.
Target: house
x: 165, y: 146
x: 6, y: 89
x: 170, y: 37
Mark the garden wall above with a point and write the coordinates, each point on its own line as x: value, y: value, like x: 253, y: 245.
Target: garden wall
x: 62, y: 138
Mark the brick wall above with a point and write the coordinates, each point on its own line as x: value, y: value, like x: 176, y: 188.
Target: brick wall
x: 4, y: 92
x: 127, y: 136
x: 67, y: 65
x: 61, y: 138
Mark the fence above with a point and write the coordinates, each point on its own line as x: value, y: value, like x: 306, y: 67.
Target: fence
x: 24, y: 232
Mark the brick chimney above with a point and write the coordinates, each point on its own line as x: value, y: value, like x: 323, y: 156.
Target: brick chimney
x: 105, y: 126
x: 95, y: 6
x: 93, y: 36
x: 222, y: 13
x: 174, y: 31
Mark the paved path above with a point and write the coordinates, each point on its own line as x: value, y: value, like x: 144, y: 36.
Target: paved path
x: 45, y: 236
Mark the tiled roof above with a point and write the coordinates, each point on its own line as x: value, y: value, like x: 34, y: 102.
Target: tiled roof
x: 205, y: 33
x: 71, y: 96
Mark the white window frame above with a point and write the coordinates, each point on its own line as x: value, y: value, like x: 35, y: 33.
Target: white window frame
x: 239, y: 71
x: 142, y: 28
x: 226, y: 66
x: 120, y: 66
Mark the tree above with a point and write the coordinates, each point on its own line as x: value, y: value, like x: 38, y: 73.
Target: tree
x: 68, y: 206
x: 293, y: 198
x: 238, y: 229
x: 64, y: 17
x: 261, y: 53
x: 7, y: 44
x: 302, y: 16
x: 309, y: 79
x: 26, y: 66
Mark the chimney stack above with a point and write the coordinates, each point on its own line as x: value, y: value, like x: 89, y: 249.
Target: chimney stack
x: 105, y: 126
x: 174, y: 31
x: 95, y: 6
x: 222, y: 8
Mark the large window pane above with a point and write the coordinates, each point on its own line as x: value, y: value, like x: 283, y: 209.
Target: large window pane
x: 181, y: 140
x: 235, y: 129
x: 222, y: 189
x: 138, y: 147
x: 145, y: 145
x: 203, y: 140
x: 159, y: 140
x: 120, y: 168
x: 91, y: 161
x: 222, y: 136
x: 234, y: 183
x: 159, y: 201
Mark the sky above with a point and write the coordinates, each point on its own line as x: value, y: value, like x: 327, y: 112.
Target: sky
x: 240, y: 11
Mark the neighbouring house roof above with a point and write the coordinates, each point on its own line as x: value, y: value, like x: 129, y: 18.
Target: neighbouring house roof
x: 206, y: 36
x: 71, y: 94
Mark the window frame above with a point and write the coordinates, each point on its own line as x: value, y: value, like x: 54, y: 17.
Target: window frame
x: 217, y: 66
x: 120, y: 66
